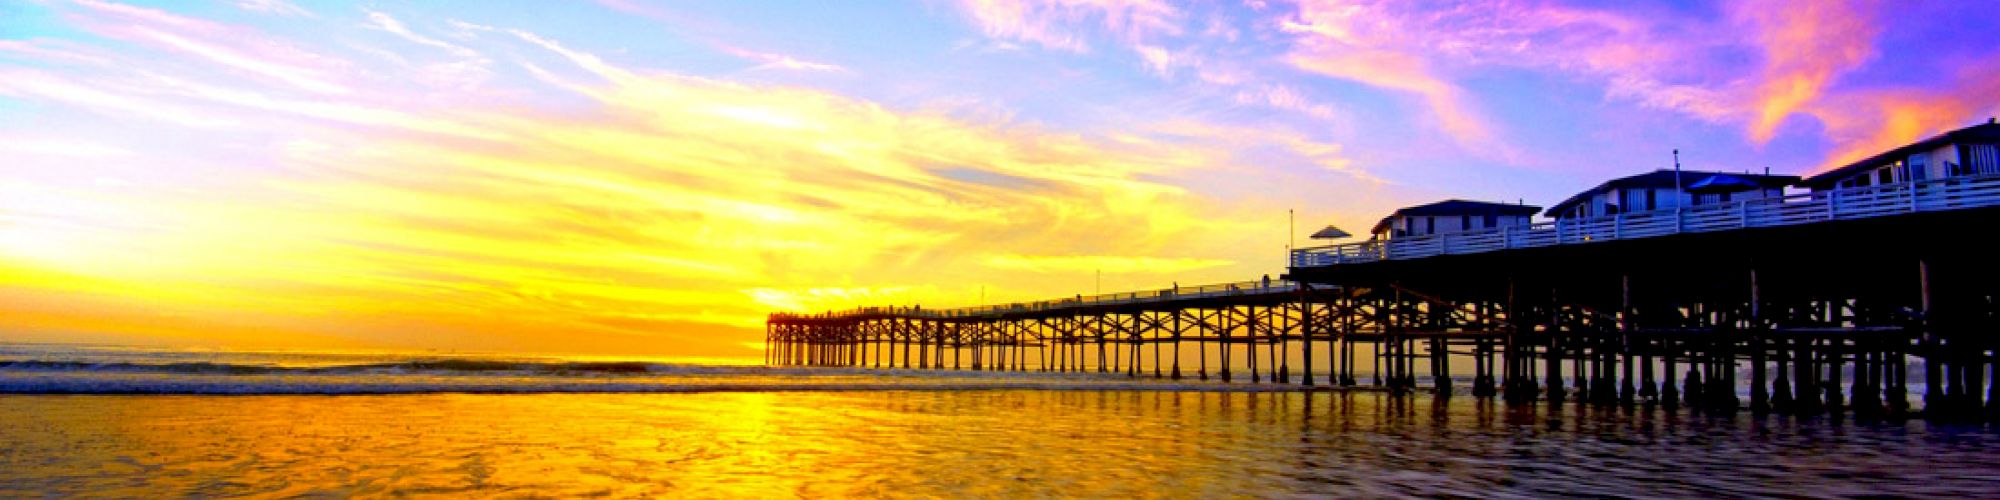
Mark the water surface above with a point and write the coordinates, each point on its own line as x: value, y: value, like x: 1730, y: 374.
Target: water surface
x: 151, y: 424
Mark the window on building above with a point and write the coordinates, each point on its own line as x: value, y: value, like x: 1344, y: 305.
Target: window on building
x: 1464, y: 222
x: 1492, y: 221
x: 1885, y: 175
x: 1430, y: 225
x: 1980, y: 159
x: 1918, y: 168
x: 1652, y: 199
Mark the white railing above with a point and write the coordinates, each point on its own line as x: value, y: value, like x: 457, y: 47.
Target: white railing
x: 1952, y: 193
x: 1147, y: 296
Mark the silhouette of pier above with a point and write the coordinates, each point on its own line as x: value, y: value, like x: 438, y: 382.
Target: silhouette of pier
x: 1804, y: 304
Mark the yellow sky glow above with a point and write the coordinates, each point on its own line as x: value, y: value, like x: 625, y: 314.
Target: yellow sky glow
x: 670, y: 218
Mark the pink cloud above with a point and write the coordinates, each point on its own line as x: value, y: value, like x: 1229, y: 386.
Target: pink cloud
x: 1354, y: 43
x: 1158, y: 60
x: 1806, y: 45
x: 1286, y: 98
x: 1660, y: 60
x: 1061, y: 24
x: 237, y: 48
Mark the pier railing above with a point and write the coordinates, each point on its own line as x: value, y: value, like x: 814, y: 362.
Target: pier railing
x: 1951, y: 193
x: 1241, y: 288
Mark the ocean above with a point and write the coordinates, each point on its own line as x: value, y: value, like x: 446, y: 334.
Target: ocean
x: 134, y: 422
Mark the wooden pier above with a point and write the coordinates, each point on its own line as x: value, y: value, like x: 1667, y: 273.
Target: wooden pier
x: 1816, y: 303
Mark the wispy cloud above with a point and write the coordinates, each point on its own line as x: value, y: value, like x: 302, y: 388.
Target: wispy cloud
x: 1110, y: 263
x: 1069, y: 24
x: 1284, y: 97
x: 279, y: 7
x: 385, y: 22
x: 780, y: 61
x: 231, y: 47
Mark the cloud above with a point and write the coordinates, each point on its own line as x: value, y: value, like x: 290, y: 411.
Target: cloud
x: 1287, y: 98
x: 1403, y: 72
x: 233, y: 47
x: 56, y: 146
x: 1361, y: 44
x: 1157, y: 59
x: 1666, y: 60
x: 1066, y: 24
x: 587, y: 61
x: 1107, y: 263
x: 781, y: 61
x: 818, y: 299
x: 44, y: 86
x: 278, y: 7
x: 1805, y: 47
x: 1868, y: 122
x: 385, y: 22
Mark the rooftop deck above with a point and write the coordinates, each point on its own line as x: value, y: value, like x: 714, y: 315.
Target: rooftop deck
x: 1953, y: 193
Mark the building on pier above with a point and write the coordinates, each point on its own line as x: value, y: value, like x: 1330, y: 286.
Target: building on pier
x: 1967, y: 152
x: 1452, y: 216
x: 1660, y: 190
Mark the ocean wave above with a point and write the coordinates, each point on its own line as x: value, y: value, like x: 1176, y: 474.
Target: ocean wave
x: 89, y: 371
x: 381, y: 386
x: 440, y: 366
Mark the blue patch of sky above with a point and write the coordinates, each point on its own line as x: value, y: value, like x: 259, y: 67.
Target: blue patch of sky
x: 30, y: 20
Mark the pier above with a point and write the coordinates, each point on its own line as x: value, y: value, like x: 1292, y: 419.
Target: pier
x: 1807, y: 304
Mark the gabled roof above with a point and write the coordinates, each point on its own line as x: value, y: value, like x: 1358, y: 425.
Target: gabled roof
x: 1988, y: 132
x: 1664, y: 178
x: 1458, y: 207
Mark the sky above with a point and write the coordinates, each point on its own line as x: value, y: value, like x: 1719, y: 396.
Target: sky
x: 653, y: 178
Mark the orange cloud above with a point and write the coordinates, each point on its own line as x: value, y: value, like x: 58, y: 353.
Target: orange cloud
x: 1866, y: 123
x: 1806, y: 45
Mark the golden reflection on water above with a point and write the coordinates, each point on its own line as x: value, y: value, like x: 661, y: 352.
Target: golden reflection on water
x: 920, y: 444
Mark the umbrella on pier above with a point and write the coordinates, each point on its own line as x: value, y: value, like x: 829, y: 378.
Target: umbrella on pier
x: 1722, y: 183
x: 1330, y: 233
